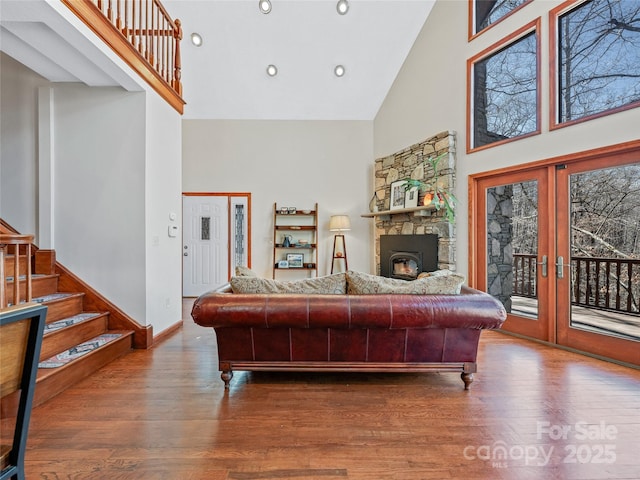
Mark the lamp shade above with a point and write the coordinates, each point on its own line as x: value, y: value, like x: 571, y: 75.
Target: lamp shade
x: 339, y: 223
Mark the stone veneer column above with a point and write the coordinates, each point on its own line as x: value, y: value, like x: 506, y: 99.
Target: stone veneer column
x: 412, y: 162
x: 500, y: 243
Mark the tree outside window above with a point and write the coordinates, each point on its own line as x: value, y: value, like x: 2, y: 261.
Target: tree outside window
x: 488, y: 12
x: 598, y: 58
x: 505, y: 93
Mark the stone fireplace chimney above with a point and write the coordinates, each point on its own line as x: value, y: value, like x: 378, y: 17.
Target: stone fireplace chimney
x: 412, y: 163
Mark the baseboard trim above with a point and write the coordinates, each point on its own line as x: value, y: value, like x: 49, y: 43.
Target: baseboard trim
x: 169, y: 332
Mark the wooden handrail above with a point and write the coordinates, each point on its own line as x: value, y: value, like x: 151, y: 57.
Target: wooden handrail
x: 144, y: 35
x: 8, y: 242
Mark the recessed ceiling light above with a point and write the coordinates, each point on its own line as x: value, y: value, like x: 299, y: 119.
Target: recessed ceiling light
x: 272, y: 70
x: 264, y: 6
x: 342, y: 7
x: 339, y: 70
x: 196, y: 39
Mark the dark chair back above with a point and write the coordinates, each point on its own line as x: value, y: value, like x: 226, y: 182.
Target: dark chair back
x: 21, y: 330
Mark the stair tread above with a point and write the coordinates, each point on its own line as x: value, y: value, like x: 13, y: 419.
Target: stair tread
x: 53, y: 297
x: 34, y: 276
x: 70, y: 321
x: 82, y: 349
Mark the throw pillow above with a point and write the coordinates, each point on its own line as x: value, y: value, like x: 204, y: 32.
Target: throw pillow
x: 436, y: 273
x: 362, y: 284
x: 242, y: 271
x: 330, y: 285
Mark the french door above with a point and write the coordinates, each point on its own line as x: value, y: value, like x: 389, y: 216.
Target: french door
x: 514, y: 241
x: 558, y: 244
x: 599, y: 288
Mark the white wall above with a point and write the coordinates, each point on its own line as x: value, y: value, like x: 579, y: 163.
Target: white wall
x: 163, y: 193
x: 429, y: 96
x: 99, y: 195
x: 293, y: 163
x: 116, y: 178
x: 18, y: 144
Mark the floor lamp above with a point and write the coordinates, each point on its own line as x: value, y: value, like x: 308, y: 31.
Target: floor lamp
x: 339, y: 223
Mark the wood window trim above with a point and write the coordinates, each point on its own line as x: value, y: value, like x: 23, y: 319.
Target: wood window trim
x: 554, y: 123
x: 472, y: 34
x: 533, y: 26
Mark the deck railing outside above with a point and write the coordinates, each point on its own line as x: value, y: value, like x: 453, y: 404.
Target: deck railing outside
x: 143, y: 33
x: 601, y: 283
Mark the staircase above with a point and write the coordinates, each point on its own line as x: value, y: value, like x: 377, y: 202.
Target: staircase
x: 83, y: 330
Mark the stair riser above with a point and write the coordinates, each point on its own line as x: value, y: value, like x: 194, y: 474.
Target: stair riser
x: 63, y: 309
x: 52, y: 382
x: 40, y: 286
x: 9, y: 263
x: 65, y: 338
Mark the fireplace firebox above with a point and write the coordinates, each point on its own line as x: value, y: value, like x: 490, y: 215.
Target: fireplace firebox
x: 406, y: 256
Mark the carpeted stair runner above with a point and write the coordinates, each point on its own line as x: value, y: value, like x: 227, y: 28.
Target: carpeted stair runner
x: 69, y: 321
x: 24, y: 277
x: 51, y: 297
x: 78, y: 351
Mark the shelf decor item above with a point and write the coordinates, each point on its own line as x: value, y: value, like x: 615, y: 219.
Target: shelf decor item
x: 373, y: 203
x: 398, y: 191
x: 295, y: 260
x: 411, y: 197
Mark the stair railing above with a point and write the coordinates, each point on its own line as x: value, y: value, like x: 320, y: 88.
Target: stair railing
x: 12, y: 242
x: 143, y: 34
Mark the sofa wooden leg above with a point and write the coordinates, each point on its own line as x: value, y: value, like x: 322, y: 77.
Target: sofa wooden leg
x: 467, y: 378
x: 226, y: 377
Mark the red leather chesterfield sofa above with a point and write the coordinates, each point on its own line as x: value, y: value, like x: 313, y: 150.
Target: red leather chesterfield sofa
x: 367, y: 333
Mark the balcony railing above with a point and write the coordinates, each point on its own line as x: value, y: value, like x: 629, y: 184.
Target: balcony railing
x: 602, y: 283
x: 143, y: 34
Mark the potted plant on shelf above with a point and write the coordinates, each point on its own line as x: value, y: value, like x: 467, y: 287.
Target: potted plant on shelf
x: 434, y: 193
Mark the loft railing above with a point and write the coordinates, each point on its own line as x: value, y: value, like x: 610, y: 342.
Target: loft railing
x: 143, y: 34
x: 20, y: 247
x: 602, y: 283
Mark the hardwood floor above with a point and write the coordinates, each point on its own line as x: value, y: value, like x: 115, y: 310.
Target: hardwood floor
x: 163, y: 414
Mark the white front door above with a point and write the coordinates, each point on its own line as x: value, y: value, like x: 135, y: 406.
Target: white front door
x: 205, y: 243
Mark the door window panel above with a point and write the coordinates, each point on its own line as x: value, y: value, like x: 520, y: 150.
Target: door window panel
x: 512, y: 246
x: 605, y: 251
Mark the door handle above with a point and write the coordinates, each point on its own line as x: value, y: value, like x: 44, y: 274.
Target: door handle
x: 185, y: 254
x: 560, y: 267
x: 544, y: 265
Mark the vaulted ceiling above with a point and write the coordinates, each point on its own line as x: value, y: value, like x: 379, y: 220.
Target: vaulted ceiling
x: 225, y: 77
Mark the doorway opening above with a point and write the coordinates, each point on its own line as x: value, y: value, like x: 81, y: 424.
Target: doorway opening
x: 216, y: 239
x: 558, y: 243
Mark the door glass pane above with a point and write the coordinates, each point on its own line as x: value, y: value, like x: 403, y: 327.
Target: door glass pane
x: 605, y: 251
x: 512, y: 244
x: 205, y: 228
